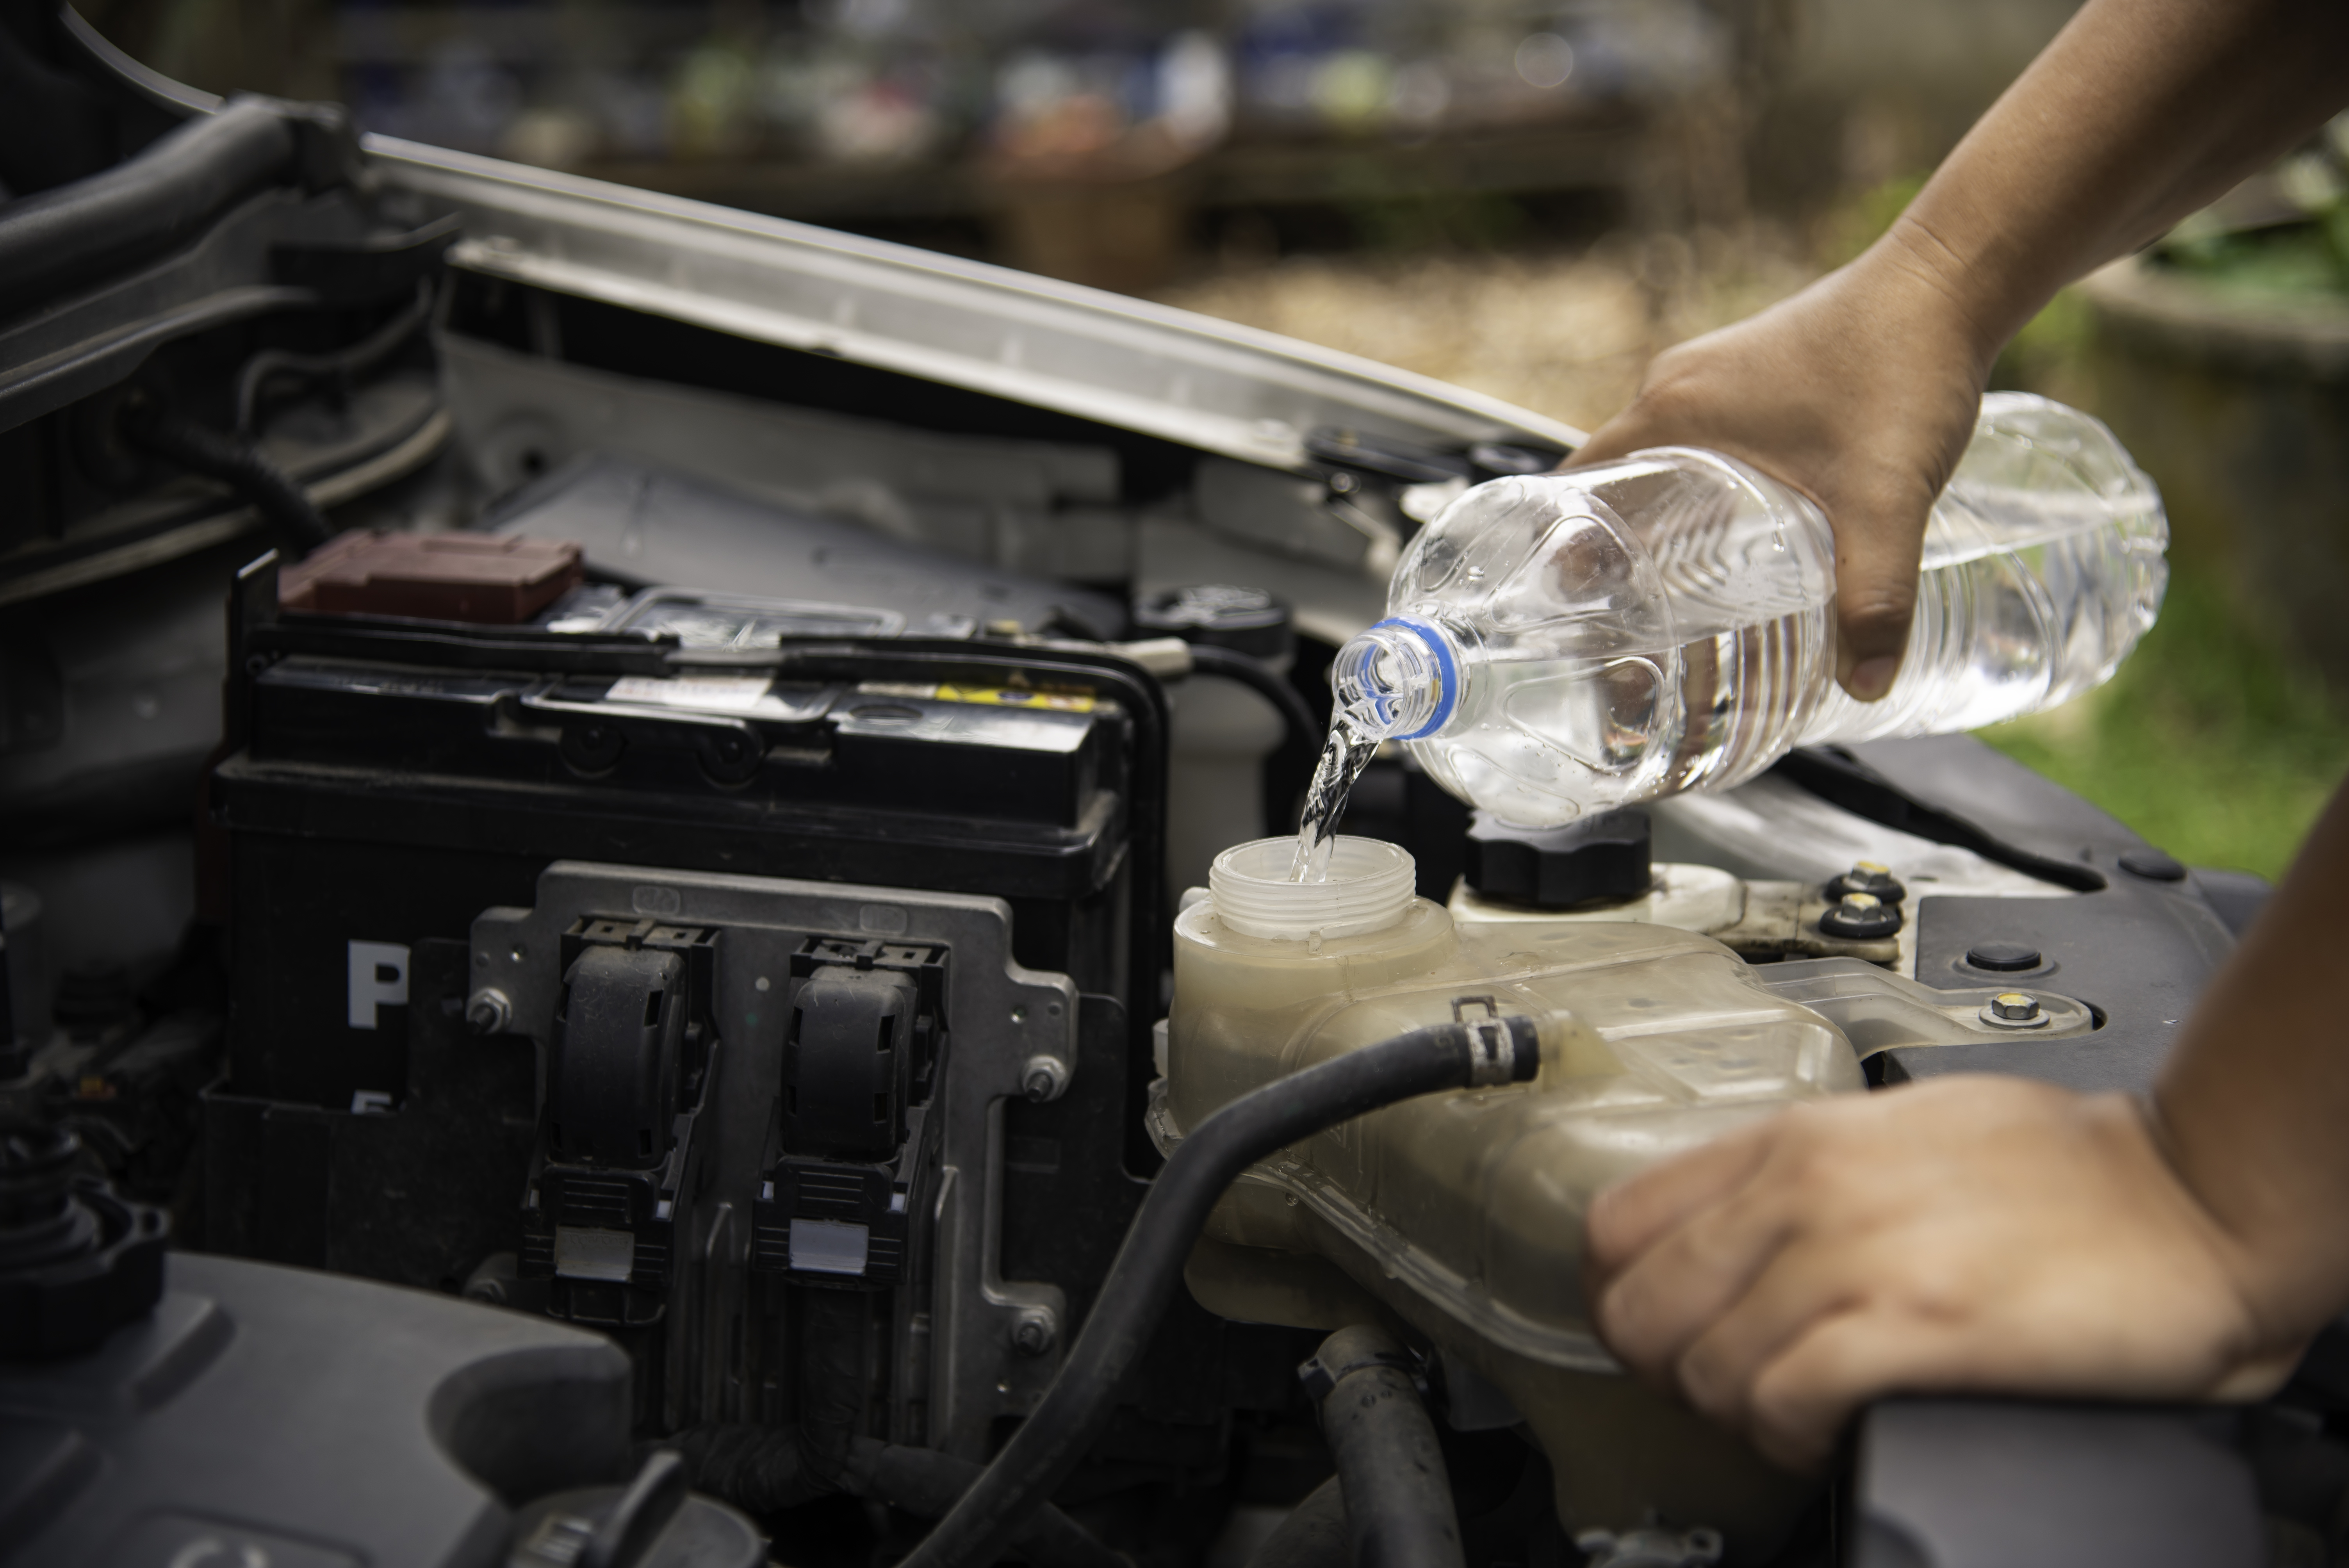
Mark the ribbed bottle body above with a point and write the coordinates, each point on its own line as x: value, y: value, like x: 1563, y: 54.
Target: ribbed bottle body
x: 1666, y: 623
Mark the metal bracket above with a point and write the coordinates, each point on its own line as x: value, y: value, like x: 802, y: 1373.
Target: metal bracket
x: 1001, y: 1018
x: 1878, y: 1010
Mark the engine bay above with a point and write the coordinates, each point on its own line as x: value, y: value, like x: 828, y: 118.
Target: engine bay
x: 599, y: 794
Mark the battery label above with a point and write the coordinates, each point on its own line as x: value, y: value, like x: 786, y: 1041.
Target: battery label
x: 1019, y: 697
x: 753, y: 697
x: 989, y: 697
x: 715, y: 694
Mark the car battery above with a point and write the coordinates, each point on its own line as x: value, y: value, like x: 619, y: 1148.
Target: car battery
x: 392, y: 788
x: 372, y: 805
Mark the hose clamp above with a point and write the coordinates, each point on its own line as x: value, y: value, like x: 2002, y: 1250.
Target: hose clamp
x: 1321, y: 1372
x: 1500, y: 1050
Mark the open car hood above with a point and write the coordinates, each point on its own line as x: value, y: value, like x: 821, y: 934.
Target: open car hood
x: 1222, y: 389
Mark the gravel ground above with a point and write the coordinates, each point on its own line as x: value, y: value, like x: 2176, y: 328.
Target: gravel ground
x: 1565, y: 334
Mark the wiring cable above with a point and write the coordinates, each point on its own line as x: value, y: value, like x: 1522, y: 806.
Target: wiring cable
x: 235, y: 462
x: 344, y: 363
x: 234, y: 458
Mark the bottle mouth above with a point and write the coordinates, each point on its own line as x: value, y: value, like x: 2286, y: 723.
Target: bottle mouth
x: 1370, y: 887
x: 1397, y: 681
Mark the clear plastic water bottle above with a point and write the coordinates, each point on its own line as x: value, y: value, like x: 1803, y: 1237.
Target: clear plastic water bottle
x: 1563, y: 644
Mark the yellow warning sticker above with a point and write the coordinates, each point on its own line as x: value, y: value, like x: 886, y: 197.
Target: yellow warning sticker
x: 1019, y: 697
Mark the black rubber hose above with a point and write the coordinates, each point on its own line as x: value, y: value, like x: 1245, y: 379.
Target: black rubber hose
x: 1313, y: 1535
x: 77, y: 235
x: 1207, y: 659
x: 236, y: 463
x: 1054, y: 1440
x: 1399, y: 1508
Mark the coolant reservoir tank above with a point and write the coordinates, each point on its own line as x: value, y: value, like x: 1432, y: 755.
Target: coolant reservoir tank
x: 1461, y: 1213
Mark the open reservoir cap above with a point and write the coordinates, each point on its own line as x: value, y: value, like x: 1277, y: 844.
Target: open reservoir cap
x: 1370, y: 888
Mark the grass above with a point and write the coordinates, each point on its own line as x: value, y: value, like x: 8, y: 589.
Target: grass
x: 2209, y: 740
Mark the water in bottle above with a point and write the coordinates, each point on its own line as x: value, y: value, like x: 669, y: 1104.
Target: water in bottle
x: 1562, y: 644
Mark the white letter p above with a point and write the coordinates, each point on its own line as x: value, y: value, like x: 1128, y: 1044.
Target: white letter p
x: 378, y: 979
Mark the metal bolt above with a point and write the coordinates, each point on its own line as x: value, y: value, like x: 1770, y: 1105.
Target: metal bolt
x: 1044, y: 1078
x: 1035, y: 1330
x: 2013, y: 1010
x: 1872, y: 877
x: 489, y: 1011
x: 1860, y: 916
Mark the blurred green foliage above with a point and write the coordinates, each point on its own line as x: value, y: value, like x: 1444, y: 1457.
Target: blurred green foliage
x: 2300, y: 258
x: 2209, y: 740
x: 1861, y: 219
x: 2049, y: 354
x: 2293, y: 259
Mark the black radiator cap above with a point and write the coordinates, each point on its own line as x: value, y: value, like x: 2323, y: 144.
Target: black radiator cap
x: 1602, y: 856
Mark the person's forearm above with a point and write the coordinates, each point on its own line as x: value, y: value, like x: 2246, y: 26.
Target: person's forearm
x: 2141, y: 112
x: 2254, y: 1104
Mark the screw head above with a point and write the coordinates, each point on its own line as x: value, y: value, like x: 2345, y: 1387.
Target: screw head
x: 729, y: 756
x: 2013, y: 1010
x: 487, y: 1011
x: 593, y: 748
x: 1044, y: 1078
x: 1035, y: 1330
x: 1860, y: 917
x: 1871, y: 877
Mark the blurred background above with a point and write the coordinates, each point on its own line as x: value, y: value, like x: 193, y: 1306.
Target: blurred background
x: 1527, y: 197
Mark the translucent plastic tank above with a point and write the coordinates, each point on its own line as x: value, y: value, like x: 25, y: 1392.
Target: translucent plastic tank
x: 1568, y: 643
x: 1461, y: 1213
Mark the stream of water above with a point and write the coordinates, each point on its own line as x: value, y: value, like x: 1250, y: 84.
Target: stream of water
x: 1343, y: 757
